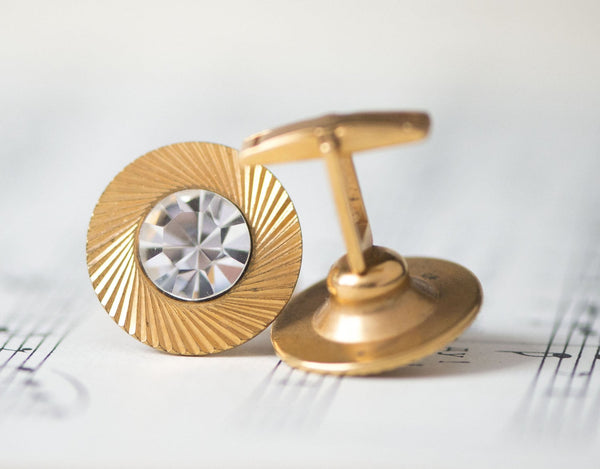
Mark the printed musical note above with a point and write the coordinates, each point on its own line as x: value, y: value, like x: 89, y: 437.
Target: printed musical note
x: 28, y: 338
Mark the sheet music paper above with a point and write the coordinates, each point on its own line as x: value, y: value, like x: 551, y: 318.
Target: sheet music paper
x: 507, y: 185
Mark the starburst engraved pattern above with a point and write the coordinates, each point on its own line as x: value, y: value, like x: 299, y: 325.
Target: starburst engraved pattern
x: 115, y: 250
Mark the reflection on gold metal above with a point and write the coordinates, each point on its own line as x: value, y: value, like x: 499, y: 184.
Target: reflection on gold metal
x: 185, y: 327
x: 376, y: 310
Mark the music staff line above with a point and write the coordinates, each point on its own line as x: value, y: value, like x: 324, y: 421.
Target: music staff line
x: 33, y: 329
x: 555, y: 389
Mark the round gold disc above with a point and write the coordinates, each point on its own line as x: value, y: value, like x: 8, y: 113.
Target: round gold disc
x: 163, y: 321
x: 316, y: 333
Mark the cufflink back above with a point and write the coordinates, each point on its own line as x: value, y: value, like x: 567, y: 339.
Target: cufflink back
x: 190, y: 252
x: 376, y: 310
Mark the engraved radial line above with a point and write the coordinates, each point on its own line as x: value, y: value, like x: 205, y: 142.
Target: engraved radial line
x: 220, y: 179
x: 273, y: 204
x: 96, y: 270
x: 151, y: 319
x: 250, y: 205
x: 156, y: 325
x: 127, y: 217
x: 159, y: 168
x: 221, y: 159
x: 246, y: 184
x: 104, y: 238
x: 211, y: 333
x: 112, y: 267
x: 202, y: 171
x: 132, y: 310
x: 273, y: 233
x: 239, y: 306
x: 194, y: 166
x: 279, y: 238
x: 164, y: 337
x: 107, y: 238
x: 277, y: 208
x: 266, y: 315
x: 119, y: 215
x: 282, y: 235
x: 213, y: 319
x: 288, y: 244
x: 232, y: 167
x: 254, y: 175
x: 182, y: 326
x: 171, y: 167
x: 190, y: 161
x: 117, y: 285
x: 220, y: 174
x: 263, y: 277
x: 172, y: 329
x: 100, y: 243
x: 172, y: 174
x: 238, y: 322
x: 289, y: 227
x: 265, y: 304
x: 288, y: 248
x: 253, y: 325
x: 239, y: 184
x: 162, y: 178
x: 155, y: 172
x: 109, y: 268
x: 191, y: 347
x: 128, y: 189
x: 140, y: 198
x: 114, y: 245
x: 252, y: 307
x: 117, y: 307
x: 200, y: 331
x: 255, y: 196
x: 141, y: 330
x: 285, y: 215
x: 212, y: 167
x: 242, y: 333
x: 131, y: 191
x: 265, y: 191
x: 145, y: 308
x: 246, y: 318
x: 257, y: 320
x: 225, y: 163
x: 179, y: 332
x: 203, y: 168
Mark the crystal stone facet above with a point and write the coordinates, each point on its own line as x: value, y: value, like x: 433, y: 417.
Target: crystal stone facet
x: 194, y: 244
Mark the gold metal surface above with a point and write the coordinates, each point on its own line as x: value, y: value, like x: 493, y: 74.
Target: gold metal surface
x: 184, y: 327
x: 375, y: 311
x: 335, y: 137
x: 315, y: 332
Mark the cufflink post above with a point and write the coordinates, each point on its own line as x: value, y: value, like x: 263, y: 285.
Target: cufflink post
x: 375, y: 311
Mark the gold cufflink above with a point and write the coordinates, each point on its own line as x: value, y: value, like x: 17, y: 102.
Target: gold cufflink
x: 376, y: 310
x: 190, y: 252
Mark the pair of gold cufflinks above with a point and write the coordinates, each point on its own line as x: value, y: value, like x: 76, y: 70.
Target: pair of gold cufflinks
x: 194, y: 249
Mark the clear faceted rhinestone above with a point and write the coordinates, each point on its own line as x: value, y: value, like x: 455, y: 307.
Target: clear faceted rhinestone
x: 194, y: 244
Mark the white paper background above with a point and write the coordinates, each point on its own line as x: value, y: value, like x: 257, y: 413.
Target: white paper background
x: 507, y: 184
